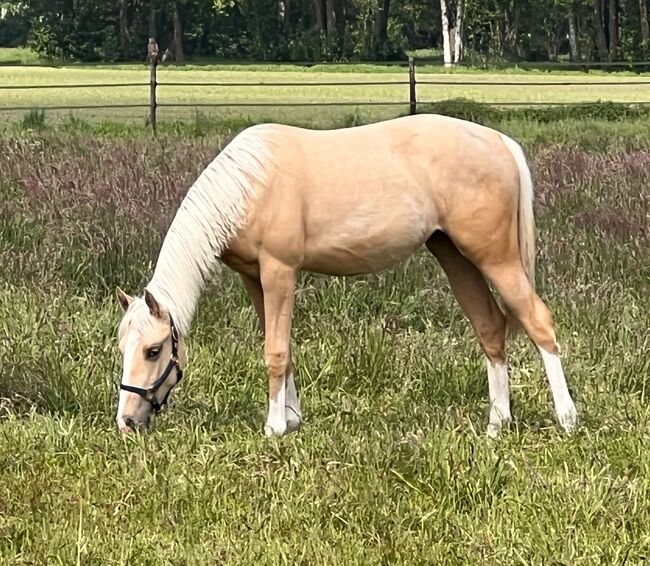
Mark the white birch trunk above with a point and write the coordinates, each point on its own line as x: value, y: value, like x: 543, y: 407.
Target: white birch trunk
x: 445, y: 33
x: 458, y: 39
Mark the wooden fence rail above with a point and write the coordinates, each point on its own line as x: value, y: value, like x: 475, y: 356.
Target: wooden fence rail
x: 411, y: 81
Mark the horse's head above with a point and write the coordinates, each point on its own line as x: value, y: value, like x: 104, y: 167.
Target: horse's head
x: 152, y: 356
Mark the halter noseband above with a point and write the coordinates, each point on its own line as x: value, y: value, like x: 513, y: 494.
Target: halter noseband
x: 150, y: 394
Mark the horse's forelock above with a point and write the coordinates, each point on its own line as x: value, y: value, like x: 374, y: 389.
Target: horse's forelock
x: 138, y: 316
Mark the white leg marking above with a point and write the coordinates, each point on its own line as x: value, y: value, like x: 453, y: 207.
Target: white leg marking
x: 564, y: 406
x: 294, y: 415
x: 499, y: 397
x: 276, y: 421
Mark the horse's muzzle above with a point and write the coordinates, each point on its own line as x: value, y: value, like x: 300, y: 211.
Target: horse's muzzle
x: 128, y: 424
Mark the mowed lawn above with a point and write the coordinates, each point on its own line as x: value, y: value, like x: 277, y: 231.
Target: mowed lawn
x: 351, y: 92
x: 392, y: 465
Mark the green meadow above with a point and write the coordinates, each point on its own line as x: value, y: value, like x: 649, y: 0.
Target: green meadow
x: 392, y: 465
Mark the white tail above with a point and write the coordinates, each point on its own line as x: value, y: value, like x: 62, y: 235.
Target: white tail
x: 526, y: 217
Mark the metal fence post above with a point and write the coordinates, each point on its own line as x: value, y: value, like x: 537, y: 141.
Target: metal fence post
x: 152, y: 91
x: 412, y: 101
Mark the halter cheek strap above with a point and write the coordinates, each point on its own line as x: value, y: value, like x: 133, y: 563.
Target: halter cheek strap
x: 150, y: 394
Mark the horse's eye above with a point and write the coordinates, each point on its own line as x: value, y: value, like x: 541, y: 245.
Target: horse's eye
x: 153, y: 353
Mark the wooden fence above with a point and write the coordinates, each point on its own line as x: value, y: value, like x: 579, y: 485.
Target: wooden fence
x: 154, y: 103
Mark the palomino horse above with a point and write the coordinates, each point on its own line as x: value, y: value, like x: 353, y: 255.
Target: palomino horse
x: 280, y: 199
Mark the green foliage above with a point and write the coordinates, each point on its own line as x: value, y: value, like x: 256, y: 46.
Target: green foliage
x: 14, y: 27
x: 272, y: 30
x: 19, y: 56
x: 464, y: 109
x: 85, y: 31
x: 488, y: 114
x: 351, y: 120
x: 33, y: 120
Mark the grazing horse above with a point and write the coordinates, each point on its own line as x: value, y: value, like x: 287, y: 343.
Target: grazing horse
x: 279, y: 199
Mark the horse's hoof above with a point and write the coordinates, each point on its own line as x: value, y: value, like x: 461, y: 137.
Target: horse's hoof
x: 294, y: 422
x: 568, y: 419
x: 270, y: 430
x: 494, y: 428
x: 294, y: 418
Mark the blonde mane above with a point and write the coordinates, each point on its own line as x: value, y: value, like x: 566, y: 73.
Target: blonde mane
x: 213, y: 210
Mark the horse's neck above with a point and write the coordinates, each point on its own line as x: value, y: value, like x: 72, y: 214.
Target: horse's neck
x: 209, y: 217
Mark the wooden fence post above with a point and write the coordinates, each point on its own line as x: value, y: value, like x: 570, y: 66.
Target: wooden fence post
x: 152, y: 92
x: 412, y: 101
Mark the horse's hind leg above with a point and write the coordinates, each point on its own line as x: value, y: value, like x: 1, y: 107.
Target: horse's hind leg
x: 487, y: 320
x: 293, y: 414
x: 510, y: 280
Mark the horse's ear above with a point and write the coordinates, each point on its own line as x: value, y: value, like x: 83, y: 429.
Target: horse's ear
x: 124, y: 299
x: 154, y: 307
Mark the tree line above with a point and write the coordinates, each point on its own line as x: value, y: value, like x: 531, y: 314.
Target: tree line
x: 318, y: 30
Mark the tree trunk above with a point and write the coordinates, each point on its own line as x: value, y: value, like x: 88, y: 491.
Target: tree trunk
x: 283, y: 15
x: 380, y: 28
x: 553, y: 45
x: 341, y: 18
x: 601, y: 39
x: 574, y: 46
x: 458, y: 36
x: 613, y: 30
x: 496, y: 37
x: 452, y: 42
x: 153, y: 33
x: 286, y: 25
x: 178, y: 34
x: 320, y: 15
x: 330, y: 12
x: 68, y: 9
x: 643, y: 16
x: 125, y: 37
x: 511, y: 28
x: 445, y: 34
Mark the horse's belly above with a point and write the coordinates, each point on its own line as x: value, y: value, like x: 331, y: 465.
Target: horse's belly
x: 348, y: 261
x: 365, y: 240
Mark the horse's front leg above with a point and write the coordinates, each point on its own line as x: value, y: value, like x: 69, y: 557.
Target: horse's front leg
x: 278, y: 284
x: 292, y: 404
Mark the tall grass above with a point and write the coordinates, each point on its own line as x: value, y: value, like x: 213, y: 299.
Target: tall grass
x: 392, y: 465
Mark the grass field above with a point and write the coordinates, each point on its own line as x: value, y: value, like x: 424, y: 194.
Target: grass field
x: 323, y: 116
x: 392, y: 465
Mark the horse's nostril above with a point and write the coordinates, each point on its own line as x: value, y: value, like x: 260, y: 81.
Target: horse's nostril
x: 128, y: 421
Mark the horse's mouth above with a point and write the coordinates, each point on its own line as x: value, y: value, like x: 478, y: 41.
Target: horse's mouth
x: 127, y: 425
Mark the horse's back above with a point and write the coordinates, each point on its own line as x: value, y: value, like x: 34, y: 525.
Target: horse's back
x: 419, y: 155
x: 360, y: 199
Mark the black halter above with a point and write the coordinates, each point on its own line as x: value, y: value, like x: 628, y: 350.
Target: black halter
x: 150, y: 394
